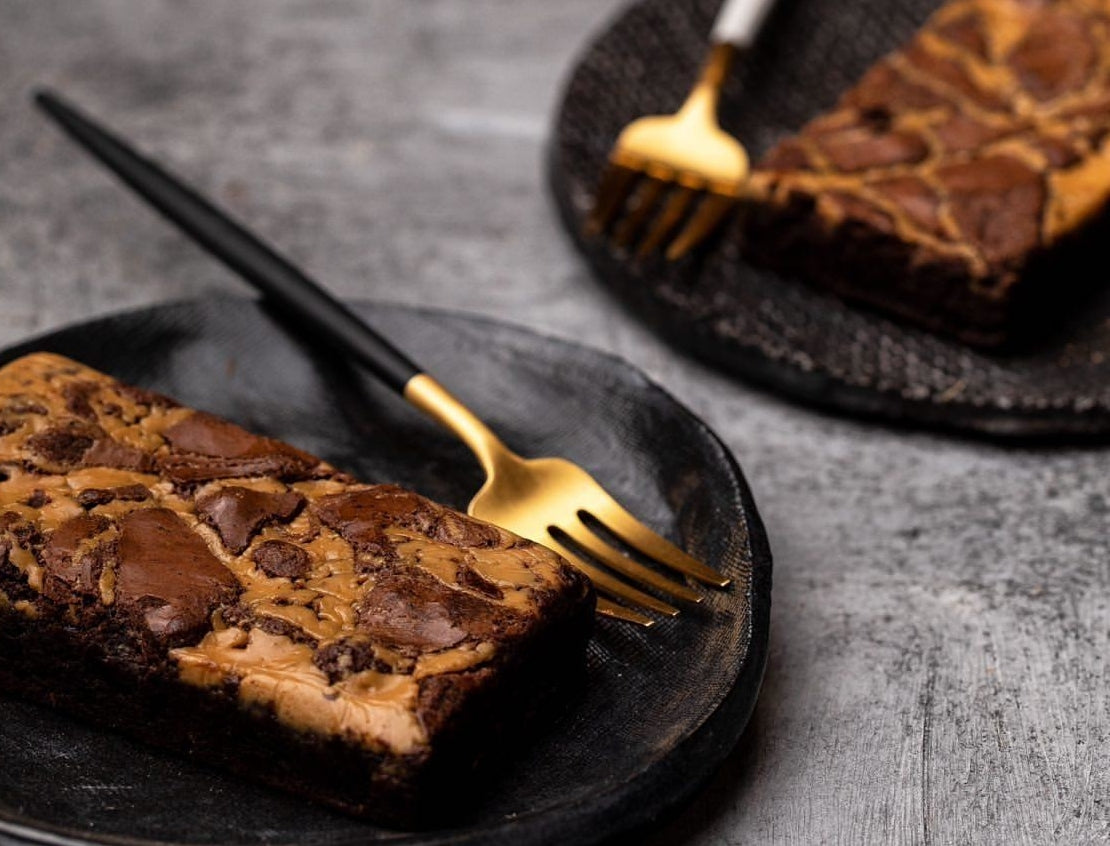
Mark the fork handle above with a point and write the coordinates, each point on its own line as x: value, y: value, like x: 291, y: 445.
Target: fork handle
x: 259, y: 264
x: 738, y: 22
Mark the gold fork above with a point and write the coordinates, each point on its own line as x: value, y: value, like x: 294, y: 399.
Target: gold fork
x: 540, y: 499
x: 663, y: 165
x: 533, y: 497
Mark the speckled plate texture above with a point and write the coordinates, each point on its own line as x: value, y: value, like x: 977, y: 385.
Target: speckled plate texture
x: 779, y: 332
x: 659, y: 709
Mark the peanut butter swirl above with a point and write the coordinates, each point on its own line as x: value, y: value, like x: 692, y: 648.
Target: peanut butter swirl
x: 979, y: 145
x: 341, y: 607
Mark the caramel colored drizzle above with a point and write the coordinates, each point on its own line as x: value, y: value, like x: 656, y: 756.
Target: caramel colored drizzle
x: 274, y: 672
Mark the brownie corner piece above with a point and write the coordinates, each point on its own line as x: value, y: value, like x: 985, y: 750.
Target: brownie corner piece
x: 961, y: 183
x: 175, y: 577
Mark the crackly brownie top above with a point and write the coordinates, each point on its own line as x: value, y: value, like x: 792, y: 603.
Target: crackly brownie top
x: 982, y: 139
x: 347, y: 609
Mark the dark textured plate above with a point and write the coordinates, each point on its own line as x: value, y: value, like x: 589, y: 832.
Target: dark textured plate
x: 775, y: 331
x: 660, y: 708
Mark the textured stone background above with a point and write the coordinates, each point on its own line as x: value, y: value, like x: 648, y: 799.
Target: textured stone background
x: 941, y: 615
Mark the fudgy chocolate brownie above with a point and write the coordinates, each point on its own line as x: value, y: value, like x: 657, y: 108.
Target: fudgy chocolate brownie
x: 963, y: 181
x: 171, y: 575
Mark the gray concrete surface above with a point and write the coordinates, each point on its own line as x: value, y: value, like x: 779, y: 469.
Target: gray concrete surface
x: 937, y: 670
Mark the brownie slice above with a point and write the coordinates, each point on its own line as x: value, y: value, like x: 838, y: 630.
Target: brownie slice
x: 963, y: 182
x: 165, y: 573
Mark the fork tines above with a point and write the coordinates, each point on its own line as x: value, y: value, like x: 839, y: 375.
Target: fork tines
x: 641, y: 207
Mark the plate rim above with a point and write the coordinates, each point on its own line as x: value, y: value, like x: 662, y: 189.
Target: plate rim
x: 615, y: 810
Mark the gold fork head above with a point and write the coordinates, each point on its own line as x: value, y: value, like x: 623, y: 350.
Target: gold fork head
x: 680, y: 155
x: 688, y: 148
x: 545, y: 500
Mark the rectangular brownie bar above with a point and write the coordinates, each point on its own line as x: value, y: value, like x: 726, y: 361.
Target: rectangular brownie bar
x: 168, y: 574
x: 963, y: 181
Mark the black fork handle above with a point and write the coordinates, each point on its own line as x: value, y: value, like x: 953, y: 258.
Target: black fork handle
x: 294, y: 293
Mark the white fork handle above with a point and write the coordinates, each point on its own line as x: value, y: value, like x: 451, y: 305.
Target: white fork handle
x: 739, y: 21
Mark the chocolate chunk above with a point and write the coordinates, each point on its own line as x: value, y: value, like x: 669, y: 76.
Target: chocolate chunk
x: 23, y: 530
x: 372, y: 546
x: 415, y: 610
x: 354, y: 519
x: 284, y: 628
x: 20, y: 405
x: 238, y: 513
x: 349, y: 655
x: 471, y: 578
x: 37, y: 499
x: 916, y: 198
x: 192, y: 470
x: 73, y: 567
x: 997, y: 202
x: 360, y: 516
x: 244, y: 617
x: 206, y: 447
x: 279, y: 559
x: 206, y: 434
x: 14, y: 582
x: 859, y: 209
x: 883, y: 87
x: 857, y: 148
x: 63, y: 447
x: 132, y: 493
x: 966, y: 31
x: 77, y: 395
x: 168, y: 577
x: 465, y: 532
x: 404, y: 612
x: 953, y: 74
x: 141, y: 396
x: 237, y: 615
x: 92, y: 497
x: 110, y: 453
x: 961, y: 132
x: 1057, y: 55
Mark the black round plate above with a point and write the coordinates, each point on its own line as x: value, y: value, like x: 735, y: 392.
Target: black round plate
x: 778, y: 332
x: 660, y: 708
